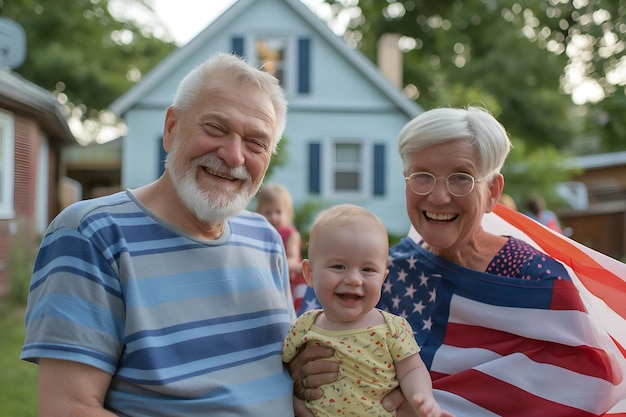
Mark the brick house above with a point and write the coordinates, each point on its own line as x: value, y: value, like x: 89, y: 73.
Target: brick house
x: 33, y: 130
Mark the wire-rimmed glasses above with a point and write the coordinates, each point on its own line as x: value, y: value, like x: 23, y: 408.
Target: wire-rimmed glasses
x: 459, y: 184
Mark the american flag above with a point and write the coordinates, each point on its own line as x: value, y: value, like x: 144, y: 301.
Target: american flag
x: 532, y: 349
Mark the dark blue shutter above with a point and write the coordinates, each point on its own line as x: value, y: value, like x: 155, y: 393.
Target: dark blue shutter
x: 304, y: 65
x: 379, y: 169
x: 314, y: 168
x: 162, y: 156
x: 238, y: 45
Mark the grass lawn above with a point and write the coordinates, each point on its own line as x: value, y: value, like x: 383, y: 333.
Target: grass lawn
x: 18, y: 379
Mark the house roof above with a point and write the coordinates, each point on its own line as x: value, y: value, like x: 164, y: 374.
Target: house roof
x: 95, y: 154
x: 604, y: 160
x: 21, y: 96
x: 356, y: 58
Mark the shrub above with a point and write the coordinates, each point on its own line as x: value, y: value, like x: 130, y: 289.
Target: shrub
x: 22, y: 255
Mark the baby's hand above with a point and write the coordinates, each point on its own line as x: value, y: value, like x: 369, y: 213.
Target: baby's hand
x: 426, y: 406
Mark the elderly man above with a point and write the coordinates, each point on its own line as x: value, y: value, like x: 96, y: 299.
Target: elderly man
x: 172, y: 299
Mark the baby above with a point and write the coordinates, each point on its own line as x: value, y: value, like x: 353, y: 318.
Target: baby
x: 376, y: 351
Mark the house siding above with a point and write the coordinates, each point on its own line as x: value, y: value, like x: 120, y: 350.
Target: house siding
x: 26, y: 134
x: 34, y: 204
x: 602, y: 224
x: 5, y: 241
x: 38, y: 131
x: 22, y: 228
x: 333, y: 91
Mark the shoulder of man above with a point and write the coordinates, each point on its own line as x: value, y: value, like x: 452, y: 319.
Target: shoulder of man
x: 73, y: 215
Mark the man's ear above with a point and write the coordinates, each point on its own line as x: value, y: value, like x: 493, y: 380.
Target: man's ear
x: 307, y: 272
x: 169, y: 129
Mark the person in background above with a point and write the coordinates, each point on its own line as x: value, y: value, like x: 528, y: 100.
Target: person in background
x: 171, y: 299
x: 537, y: 210
x: 275, y: 204
x: 508, y: 201
x: 491, y: 312
x: 346, y: 268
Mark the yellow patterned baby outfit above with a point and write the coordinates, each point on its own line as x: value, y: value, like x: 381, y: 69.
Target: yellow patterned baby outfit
x: 366, y: 360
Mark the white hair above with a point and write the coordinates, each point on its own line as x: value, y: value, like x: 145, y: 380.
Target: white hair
x: 235, y: 67
x: 441, y: 125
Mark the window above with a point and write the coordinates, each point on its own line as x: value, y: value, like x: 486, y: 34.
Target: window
x: 348, y: 172
x: 286, y: 57
x: 346, y: 168
x: 7, y: 138
x: 348, y: 160
x: 271, y: 55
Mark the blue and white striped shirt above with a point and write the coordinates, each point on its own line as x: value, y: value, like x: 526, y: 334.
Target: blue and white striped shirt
x: 186, y: 327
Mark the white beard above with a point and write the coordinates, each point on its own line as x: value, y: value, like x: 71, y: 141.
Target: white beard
x: 217, y: 203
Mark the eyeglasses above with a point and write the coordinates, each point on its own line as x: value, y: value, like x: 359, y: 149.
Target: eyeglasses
x: 459, y: 184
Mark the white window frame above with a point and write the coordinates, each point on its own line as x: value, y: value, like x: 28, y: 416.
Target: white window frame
x: 329, y: 168
x: 41, y: 205
x: 7, y: 169
x: 290, y: 66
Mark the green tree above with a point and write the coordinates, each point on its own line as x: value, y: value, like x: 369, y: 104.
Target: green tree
x: 520, y: 53
x: 517, y: 58
x: 539, y: 170
x: 606, y: 121
x: 82, y: 52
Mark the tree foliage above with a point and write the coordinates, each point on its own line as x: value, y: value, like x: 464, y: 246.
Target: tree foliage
x: 79, y: 50
x: 524, y: 60
x: 527, y: 55
x: 538, y: 171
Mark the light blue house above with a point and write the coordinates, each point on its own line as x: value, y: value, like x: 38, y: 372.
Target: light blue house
x: 344, y: 115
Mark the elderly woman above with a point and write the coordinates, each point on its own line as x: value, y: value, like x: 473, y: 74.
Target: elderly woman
x: 502, y: 327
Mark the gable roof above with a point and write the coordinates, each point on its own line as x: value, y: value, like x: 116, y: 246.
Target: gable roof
x: 20, y: 95
x: 356, y: 58
x: 604, y: 160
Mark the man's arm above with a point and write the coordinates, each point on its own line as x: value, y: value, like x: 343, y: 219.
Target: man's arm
x: 71, y: 389
x: 305, y: 365
x: 308, y: 373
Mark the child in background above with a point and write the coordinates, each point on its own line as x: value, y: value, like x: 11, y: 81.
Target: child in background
x: 537, y: 210
x: 274, y: 203
x: 376, y: 351
x: 508, y: 201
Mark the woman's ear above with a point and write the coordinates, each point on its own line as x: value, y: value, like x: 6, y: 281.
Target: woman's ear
x: 496, y: 186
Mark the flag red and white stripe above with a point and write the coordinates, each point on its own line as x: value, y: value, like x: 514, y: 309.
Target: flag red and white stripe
x: 477, y: 370
x: 601, y: 283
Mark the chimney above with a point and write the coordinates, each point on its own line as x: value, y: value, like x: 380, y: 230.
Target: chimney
x: 390, y: 58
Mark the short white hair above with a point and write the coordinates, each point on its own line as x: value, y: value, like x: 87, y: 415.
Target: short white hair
x: 441, y: 125
x: 235, y: 67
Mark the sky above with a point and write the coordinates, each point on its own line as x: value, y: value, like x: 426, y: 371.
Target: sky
x: 186, y: 18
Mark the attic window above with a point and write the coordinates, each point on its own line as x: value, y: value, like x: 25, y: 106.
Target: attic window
x: 270, y: 55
